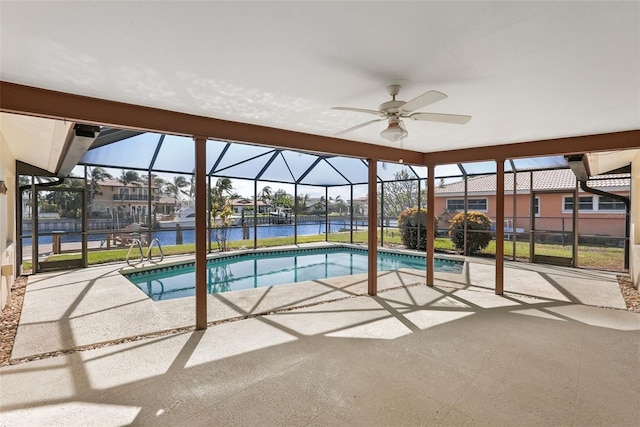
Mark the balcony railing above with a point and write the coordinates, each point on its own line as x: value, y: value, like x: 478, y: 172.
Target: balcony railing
x: 131, y: 197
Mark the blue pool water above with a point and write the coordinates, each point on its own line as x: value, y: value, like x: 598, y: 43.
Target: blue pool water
x: 254, y: 270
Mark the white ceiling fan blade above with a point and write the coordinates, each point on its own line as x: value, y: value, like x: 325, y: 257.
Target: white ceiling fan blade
x: 361, y: 125
x: 360, y: 110
x: 423, y: 100
x: 439, y: 117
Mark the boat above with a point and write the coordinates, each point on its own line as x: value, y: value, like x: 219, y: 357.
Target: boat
x: 186, y: 218
x: 281, y: 216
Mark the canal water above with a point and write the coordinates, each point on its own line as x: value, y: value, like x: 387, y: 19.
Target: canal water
x: 168, y: 237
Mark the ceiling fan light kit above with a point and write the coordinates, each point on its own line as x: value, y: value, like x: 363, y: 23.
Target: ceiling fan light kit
x: 395, y: 110
x: 395, y: 131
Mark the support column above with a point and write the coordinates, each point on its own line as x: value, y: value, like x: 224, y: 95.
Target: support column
x: 532, y: 218
x: 326, y: 214
x: 19, y: 226
x: 255, y: 214
x: 201, y: 232
x: 372, y: 235
x: 419, y: 216
x: 381, y: 214
x: 85, y: 216
x: 296, y: 209
x: 575, y: 226
x: 35, y: 234
x: 465, y: 243
x: 515, y: 217
x: 499, y: 226
x: 210, y: 208
x: 149, y: 207
x: 431, y: 234
x: 351, y: 216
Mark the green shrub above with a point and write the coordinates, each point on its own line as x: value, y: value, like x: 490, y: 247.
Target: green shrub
x: 409, y: 221
x: 478, y: 231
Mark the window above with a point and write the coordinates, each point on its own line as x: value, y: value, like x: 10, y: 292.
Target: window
x: 585, y: 203
x: 536, y: 206
x: 456, y: 205
x: 610, y: 204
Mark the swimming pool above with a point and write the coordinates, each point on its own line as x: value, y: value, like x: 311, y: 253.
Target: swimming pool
x: 255, y: 270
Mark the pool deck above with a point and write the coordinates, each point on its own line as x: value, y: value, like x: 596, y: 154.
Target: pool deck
x: 545, y: 352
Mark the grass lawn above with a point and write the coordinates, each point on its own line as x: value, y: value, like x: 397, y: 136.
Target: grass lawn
x: 610, y: 258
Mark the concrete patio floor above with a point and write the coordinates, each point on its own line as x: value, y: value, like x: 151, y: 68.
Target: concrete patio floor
x: 542, y: 354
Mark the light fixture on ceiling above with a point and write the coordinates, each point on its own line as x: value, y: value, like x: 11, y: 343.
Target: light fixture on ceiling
x: 395, y: 131
x: 395, y: 110
x: 579, y: 165
x: 77, y: 143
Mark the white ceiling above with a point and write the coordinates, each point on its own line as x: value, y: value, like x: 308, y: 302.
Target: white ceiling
x: 38, y: 142
x: 524, y: 70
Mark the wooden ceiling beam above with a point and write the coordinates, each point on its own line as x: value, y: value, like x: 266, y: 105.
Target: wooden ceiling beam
x: 548, y: 147
x: 32, y: 101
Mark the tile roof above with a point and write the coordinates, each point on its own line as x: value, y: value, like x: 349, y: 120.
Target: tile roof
x: 558, y: 179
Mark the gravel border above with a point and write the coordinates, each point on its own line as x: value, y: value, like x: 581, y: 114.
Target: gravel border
x: 630, y: 294
x: 11, y: 318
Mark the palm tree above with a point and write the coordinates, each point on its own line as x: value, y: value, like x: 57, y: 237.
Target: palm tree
x: 170, y: 190
x: 265, y: 195
x: 223, y: 186
x: 221, y: 210
x: 159, y: 182
x: 319, y: 206
x: 302, y: 203
x: 338, y: 201
x: 156, y: 181
x: 97, y: 176
x: 219, y: 193
x: 192, y: 186
x: 67, y: 203
x: 175, y: 189
x: 128, y: 177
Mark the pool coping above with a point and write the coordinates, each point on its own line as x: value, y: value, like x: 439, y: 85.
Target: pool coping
x: 190, y: 259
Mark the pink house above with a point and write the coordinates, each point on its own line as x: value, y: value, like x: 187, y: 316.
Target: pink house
x: 553, y: 192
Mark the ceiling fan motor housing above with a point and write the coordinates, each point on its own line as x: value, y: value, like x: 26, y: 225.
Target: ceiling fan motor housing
x: 391, y: 107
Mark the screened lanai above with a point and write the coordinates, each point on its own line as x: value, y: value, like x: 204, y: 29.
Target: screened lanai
x: 175, y: 154
x: 337, y: 213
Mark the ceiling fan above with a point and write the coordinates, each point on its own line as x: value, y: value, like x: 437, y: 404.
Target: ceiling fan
x: 393, y: 111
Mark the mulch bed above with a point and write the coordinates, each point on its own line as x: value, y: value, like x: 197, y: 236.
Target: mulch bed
x: 11, y: 318
x: 630, y: 294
